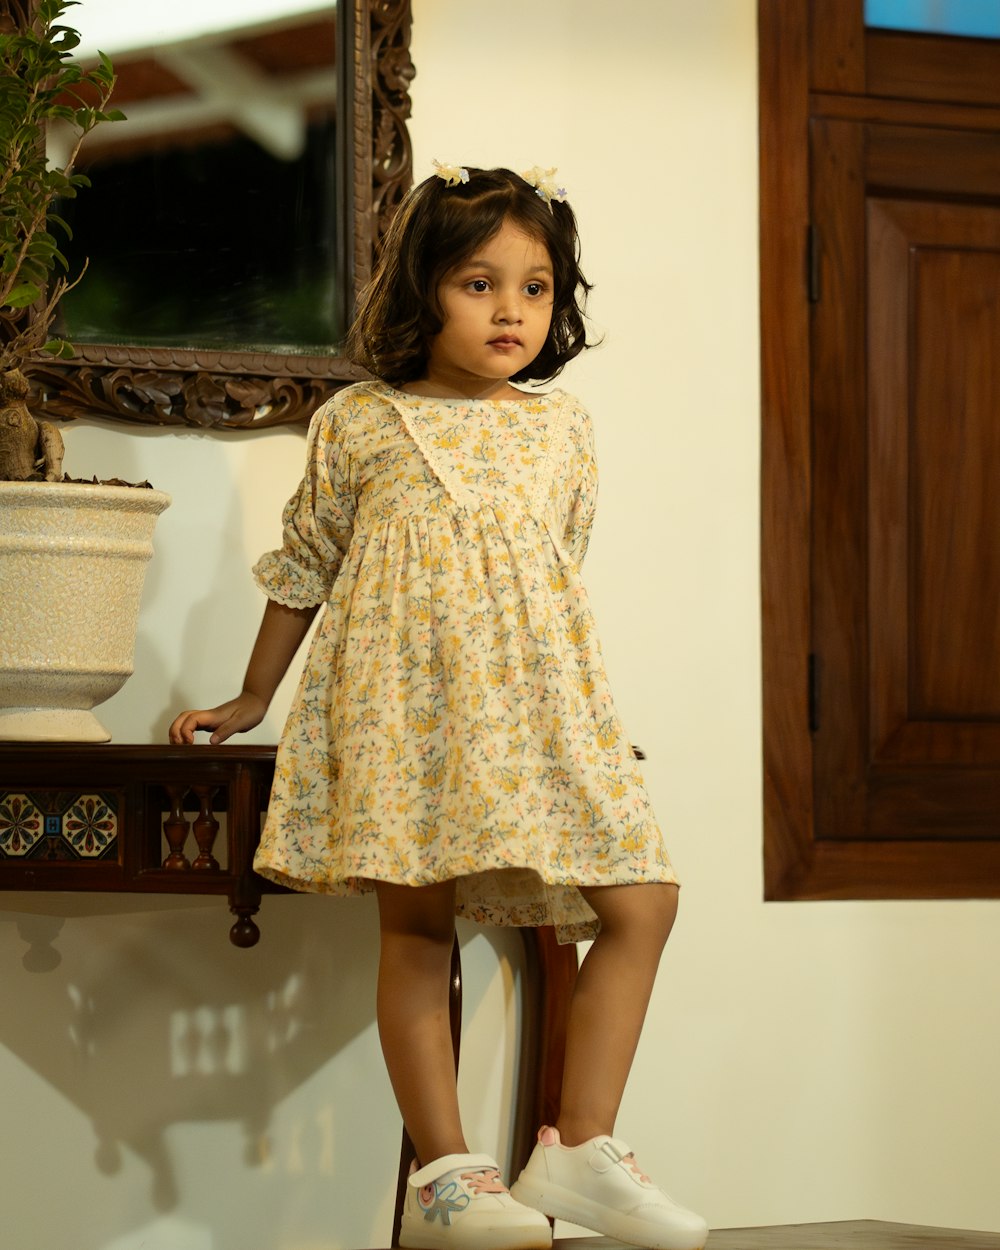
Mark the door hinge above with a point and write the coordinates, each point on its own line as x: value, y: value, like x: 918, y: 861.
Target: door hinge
x: 814, y: 258
x: 812, y: 695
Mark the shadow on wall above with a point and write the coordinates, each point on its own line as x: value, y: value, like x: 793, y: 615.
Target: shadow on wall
x: 253, y: 1077
x: 217, y: 621
x: 200, y: 608
x: 146, y: 1021
x: 184, y: 597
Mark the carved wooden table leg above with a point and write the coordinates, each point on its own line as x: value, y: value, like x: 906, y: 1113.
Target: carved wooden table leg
x: 247, y: 800
x: 244, y: 932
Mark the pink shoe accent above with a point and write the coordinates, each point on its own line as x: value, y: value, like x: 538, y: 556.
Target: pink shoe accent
x: 630, y: 1160
x: 484, y: 1181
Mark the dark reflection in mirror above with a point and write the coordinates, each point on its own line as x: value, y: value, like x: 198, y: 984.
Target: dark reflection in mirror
x: 214, y: 212
x: 236, y: 99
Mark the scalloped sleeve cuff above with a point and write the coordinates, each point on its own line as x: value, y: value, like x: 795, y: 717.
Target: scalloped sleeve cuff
x: 288, y: 583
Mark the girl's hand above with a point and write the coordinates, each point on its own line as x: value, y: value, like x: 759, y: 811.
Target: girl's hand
x: 279, y: 637
x: 236, y: 716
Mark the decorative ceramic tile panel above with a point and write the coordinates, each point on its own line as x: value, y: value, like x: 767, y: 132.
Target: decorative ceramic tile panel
x: 59, y: 825
x: 90, y: 826
x: 21, y: 825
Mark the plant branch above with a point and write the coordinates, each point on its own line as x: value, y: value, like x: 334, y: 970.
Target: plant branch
x: 40, y: 87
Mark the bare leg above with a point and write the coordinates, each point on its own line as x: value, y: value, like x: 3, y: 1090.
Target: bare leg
x: 418, y: 930
x: 609, y: 1003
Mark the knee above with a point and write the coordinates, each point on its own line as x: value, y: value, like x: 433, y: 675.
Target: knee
x: 657, y: 911
x: 420, y: 953
x: 419, y: 917
x: 423, y: 932
x: 639, y: 914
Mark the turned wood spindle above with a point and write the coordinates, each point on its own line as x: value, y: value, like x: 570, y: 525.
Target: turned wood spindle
x: 206, y: 829
x: 175, y: 829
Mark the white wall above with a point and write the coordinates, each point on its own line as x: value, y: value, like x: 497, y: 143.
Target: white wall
x: 802, y: 1061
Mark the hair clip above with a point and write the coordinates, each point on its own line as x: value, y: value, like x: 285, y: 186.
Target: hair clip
x: 544, y: 182
x: 452, y: 174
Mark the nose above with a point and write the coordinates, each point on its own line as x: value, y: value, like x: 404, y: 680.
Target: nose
x: 508, y: 308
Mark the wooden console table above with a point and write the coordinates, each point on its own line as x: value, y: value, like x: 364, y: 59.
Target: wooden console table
x: 142, y: 819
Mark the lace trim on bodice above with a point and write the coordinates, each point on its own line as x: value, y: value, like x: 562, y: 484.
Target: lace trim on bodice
x: 459, y: 494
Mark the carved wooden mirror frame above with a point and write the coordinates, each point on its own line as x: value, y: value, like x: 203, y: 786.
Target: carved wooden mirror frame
x: 253, y: 390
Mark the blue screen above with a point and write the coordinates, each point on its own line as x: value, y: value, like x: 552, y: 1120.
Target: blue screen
x: 944, y: 17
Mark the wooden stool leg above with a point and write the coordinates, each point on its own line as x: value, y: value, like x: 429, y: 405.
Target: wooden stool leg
x: 550, y: 976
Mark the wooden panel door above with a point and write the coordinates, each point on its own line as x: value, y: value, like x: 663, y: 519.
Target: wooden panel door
x: 934, y: 518
x: 881, y: 411
x: 906, y: 520
x: 906, y: 496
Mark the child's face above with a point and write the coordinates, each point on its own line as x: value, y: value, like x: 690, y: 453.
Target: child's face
x: 497, y: 309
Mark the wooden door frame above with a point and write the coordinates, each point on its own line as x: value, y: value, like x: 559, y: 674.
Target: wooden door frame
x: 783, y: 55
x: 813, y: 53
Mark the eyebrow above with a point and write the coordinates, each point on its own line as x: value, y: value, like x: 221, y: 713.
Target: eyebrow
x: 475, y: 263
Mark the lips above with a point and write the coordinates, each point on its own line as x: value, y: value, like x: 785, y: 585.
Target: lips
x: 506, y: 340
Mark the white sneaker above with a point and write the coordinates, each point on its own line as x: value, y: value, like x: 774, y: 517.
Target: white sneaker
x: 599, y: 1185
x: 459, y: 1202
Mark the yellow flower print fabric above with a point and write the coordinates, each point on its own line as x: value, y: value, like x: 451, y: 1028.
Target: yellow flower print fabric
x: 453, y: 719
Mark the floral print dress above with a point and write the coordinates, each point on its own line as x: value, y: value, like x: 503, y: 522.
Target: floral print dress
x: 453, y: 719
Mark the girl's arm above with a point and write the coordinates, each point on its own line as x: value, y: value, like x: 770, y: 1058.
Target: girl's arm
x: 280, y: 635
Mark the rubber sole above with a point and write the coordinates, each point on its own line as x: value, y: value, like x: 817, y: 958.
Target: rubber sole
x: 564, y: 1204
x: 436, y: 1238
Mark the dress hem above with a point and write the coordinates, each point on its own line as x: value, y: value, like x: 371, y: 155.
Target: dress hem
x: 503, y: 913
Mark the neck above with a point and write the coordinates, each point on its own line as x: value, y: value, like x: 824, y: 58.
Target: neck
x: 436, y: 387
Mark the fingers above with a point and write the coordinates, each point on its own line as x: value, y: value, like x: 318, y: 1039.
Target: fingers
x: 233, y: 724
x: 183, y: 729
x: 225, y: 720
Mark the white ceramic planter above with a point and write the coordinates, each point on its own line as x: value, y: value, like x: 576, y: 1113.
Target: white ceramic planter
x: 72, y: 564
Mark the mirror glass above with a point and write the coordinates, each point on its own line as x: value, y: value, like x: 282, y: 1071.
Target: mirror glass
x: 233, y: 216
x: 214, y: 218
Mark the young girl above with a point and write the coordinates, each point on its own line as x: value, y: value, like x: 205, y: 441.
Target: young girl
x: 453, y: 744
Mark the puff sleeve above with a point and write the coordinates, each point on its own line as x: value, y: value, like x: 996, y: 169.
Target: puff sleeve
x: 583, y: 499
x: 318, y: 519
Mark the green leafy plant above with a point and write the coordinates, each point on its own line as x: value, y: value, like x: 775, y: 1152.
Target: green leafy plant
x: 40, y: 87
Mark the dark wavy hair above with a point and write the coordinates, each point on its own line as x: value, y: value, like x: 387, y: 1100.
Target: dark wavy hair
x: 435, y: 229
